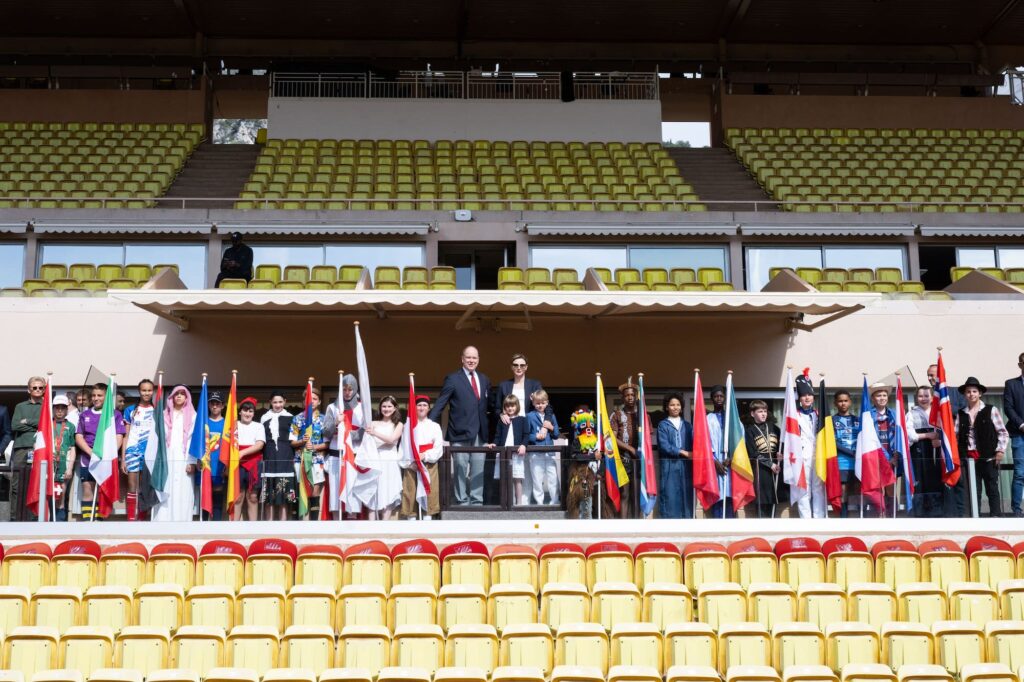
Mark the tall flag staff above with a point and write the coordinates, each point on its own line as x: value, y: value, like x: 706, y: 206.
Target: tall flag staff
x: 41, y: 480
x: 705, y: 476
x: 735, y: 447
x: 826, y: 453
x: 197, y: 449
x: 793, y: 471
x: 614, y: 471
x: 411, y: 451
x: 941, y: 417
x: 229, y: 458
x: 903, y: 446
x: 648, y: 480
x: 102, y: 464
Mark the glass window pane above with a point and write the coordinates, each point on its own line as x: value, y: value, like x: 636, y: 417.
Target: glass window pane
x: 190, y: 259
x: 286, y: 254
x: 373, y: 255
x: 761, y: 259
x: 12, y: 264
x: 682, y: 257
x: 94, y: 254
x: 1011, y: 258
x: 580, y: 258
x: 976, y: 258
x: 865, y: 257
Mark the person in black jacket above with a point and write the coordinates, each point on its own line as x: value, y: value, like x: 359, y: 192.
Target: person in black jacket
x: 515, y: 433
x: 981, y: 433
x: 236, y: 263
x: 1013, y: 405
x: 521, y: 387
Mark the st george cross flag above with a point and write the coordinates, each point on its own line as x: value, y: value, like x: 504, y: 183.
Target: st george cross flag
x: 197, y: 449
x: 705, y: 475
x: 941, y: 417
x: 411, y: 451
x: 903, y: 445
x: 793, y: 471
x: 42, y: 459
x: 103, y: 463
x: 645, y: 451
x: 615, y: 475
x: 364, y: 459
x: 741, y: 471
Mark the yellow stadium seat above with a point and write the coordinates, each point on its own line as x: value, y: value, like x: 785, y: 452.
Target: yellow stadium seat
x: 123, y: 568
x: 252, y: 646
x: 692, y: 673
x: 873, y: 603
x: 159, y: 605
x: 362, y: 605
x: 706, y: 566
x: 721, y: 603
x: 922, y: 603
x: 752, y: 673
x: 577, y: 673
x: 142, y: 649
x: 232, y: 675
x: 527, y: 644
x: 460, y: 674
x: 944, y: 566
x: 743, y: 644
x: 221, y: 569
x: 798, y: 567
x: 1005, y: 642
x: 29, y: 650
x: 771, y: 603
x: 691, y: 644
x: 74, y: 570
x: 346, y: 675
x: 59, y: 675
x: 472, y: 646
x: 317, y: 566
x: 809, y: 673
x: 461, y: 565
x: 270, y: 567
x: 754, y: 566
x: 514, y: 564
x: 308, y: 647
x: 461, y: 604
x: 609, y: 562
x: 86, y: 649
x: 197, y: 648
x: 924, y: 673
x: 797, y: 644
x: 512, y: 604
x: 976, y: 602
x: 657, y: 562
x: 615, y: 603
x: 958, y: 643
x: 845, y: 567
x: 582, y: 644
x: 56, y: 607
x: 637, y: 644
x: 988, y: 672
x: 404, y: 674
x: 564, y: 603
x: 821, y: 604
x: 411, y: 605
x: 261, y: 605
x: 907, y: 644
x: 172, y: 567
x: 311, y: 605
x: 419, y: 645
x: 849, y: 642
x: 666, y: 603
x: 564, y: 565
x: 369, y: 567
x: 108, y: 606
x: 1011, y: 599
x: 116, y: 675
x: 633, y: 673
x: 364, y: 647
x: 514, y: 673
x: 14, y: 607
x: 867, y: 672
x: 210, y: 605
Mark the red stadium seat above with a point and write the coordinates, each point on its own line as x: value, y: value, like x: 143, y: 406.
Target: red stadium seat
x: 752, y: 561
x: 74, y: 563
x: 1018, y: 551
x: 416, y: 562
x: 27, y: 565
x: 657, y: 562
x: 172, y: 562
x: 990, y: 560
x: 271, y: 561
x: 466, y: 563
x: 896, y: 562
x: 847, y: 561
x: 800, y: 561
x: 320, y: 565
x: 609, y: 561
x: 562, y: 562
x: 516, y: 564
x: 705, y: 562
x: 124, y: 564
x: 221, y: 562
x: 368, y: 563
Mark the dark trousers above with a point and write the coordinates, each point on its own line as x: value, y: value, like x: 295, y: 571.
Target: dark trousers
x: 988, y: 477
x: 715, y: 512
x: 954, y: 498
x: 19, y: 476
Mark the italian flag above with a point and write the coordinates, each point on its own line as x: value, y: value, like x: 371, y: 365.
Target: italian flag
x: 103, y: 463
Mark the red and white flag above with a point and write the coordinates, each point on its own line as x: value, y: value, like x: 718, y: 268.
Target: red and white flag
x: 411, y: 451
x: 42, y: 459
x: 794, y: 473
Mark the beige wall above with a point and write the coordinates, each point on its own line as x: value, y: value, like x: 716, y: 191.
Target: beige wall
x: 109, y: 106
x: 981, y: 338
x: 806, y: 111
x: 685, y: 100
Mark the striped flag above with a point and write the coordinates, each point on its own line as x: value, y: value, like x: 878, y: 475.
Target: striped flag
x: 792, y: 468
x: 903, y: 445
x: 826, y: 454
x: 153, y: 477
x: 615, y: 475
x: 229, y: 448
x: 42, y: 459
x: 411, y: 451
x: 705, y: 475
x: 941, y: 417
x: 741, y: 471
x: 198, y: 450
x: 869, y: 452
x: 648, y: 481
x: 103, y: 463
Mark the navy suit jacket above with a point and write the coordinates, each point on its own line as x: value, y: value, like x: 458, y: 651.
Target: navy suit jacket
x: 520, y: 432
x: 6, y: 435
x: 467, y: 415
x: 1013, y: 405
x: 505, y: 390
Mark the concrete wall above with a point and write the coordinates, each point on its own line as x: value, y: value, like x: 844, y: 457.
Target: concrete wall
x: 628, y: 121
x: 807, y: 111
x: 109, y: 106
x: 980, y: 338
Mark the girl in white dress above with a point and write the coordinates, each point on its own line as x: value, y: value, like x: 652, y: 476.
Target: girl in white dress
x: 178, y: 504
x: 386, y: 432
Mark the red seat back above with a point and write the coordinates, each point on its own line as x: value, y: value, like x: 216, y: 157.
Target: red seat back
x: 560, y: 548
x: 273, y: 546
x: 798, y: 544
x: 984, y: 543
x: 223, y: 547
x: 655, y: 547
x: 371, y: 547
x: 321, y: 549
x: 174, y: 548
x: 749, y: 545
x: 938, y: 546
x: 90, y: 547
x: 133, y: 548
x: 607, y: 546
x: 1018, y: 549
x: 417, y: 546
x: 467, y: 547
x: 892, y: 546
x: 844, y: 544
x: 701, y: 547
x: 31, y: 548
x: 513, y: 549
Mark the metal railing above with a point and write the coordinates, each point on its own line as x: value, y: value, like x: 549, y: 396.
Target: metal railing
x: 1015, y: 81
x: 617, y: 85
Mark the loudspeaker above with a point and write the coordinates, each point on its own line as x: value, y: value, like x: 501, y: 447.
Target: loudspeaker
x: 568, y: 94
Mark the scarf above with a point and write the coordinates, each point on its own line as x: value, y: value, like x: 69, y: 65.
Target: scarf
x: 188, y: 415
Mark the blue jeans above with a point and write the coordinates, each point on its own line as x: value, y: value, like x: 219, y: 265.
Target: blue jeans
x: 1017, y: 490
x: 715, y: 512
x: 675, y: 492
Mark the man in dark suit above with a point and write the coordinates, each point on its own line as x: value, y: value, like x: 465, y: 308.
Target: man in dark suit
x: 1013, y: 406
x: 465, y: 392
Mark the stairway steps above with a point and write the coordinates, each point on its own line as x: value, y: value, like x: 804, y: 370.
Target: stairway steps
x: 214, y: 171
x: 717, y: 176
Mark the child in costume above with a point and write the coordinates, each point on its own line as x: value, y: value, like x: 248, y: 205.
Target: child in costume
x: 585, y: 464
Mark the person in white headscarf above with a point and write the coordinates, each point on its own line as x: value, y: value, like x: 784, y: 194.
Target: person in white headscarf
x: 336, y: 422
x: 178, y: 505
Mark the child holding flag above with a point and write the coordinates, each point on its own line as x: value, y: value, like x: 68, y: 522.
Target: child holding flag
x: 85, y: 439
x: 63, y: 454
x: 425, y: 435
x: 308, y: 440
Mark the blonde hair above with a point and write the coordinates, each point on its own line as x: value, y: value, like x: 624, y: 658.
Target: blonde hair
x: 539, y: 394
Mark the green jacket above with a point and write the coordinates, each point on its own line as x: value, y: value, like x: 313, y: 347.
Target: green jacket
x: 25, y: 434
x: 61, y: 447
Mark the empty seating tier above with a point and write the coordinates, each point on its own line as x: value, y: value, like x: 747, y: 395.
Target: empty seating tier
x: 85, y: 279
x: 80, y: 165
x: 475, y: 175
x: 885, y: 170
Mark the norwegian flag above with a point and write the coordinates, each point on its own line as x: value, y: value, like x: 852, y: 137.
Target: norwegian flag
x: 941, y: 417
x: 793, y: 470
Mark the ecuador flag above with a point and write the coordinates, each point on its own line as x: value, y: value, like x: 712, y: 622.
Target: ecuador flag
x: 615, y: 475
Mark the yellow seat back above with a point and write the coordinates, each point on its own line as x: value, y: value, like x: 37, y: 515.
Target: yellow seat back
x: 197, y: 648
x: 86, y: 649
x: 922, y: 603
x: 771, y: 603
x: 701, y: 568
x: 142, y: 649
x: 754, y: 567
x: 564, y: 603
x: 615, y: 603
x: 210, y: 606
x: 411, y: 605
x: 849, y: 642
x: 615, y: 567
x: 976, y: 602
x: 461, y: 604
x: 797, y: 644
x: 515, y: 568
x: 898, y: 568
x: 416, y: 569
x: 527, y: 645
x: 253, y: 647
x: 311, y: 605
x: 638, y: 644
x: 31, y: 649
x: 563, y: 567
x: 657, y: 567
x: 320, y: 569
x: 30, y: 571
x: 1005, y: 643
x: 220, y: 569
x: 368, y: 569
x: 15, y: 609
x: 846, y: 568
x: 472, y: 646
x: 691, y: 644
x: 159, y: 605
x: 74, y: 570
x: 362, y: 605
x: 108, y: 607
x: 743, y: 644
x: 665, y: 604
x: 582, y: 644
x: 958, y: 643
x: 123, y: 569
x: 419, y: 646
x: 367, y: 648
x: 57, y: 607
x: 821, y: 604
x: 261, y: 605
x: 872, y: 603
x: 309, y: 647
x: 720, y: 603
x: 511, y: 604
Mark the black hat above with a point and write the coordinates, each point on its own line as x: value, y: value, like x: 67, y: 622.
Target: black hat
x: 803, y: 385
x: 972, y: 381
x: 717, y: 388
x: 215, y: 396
x: 236, y: 236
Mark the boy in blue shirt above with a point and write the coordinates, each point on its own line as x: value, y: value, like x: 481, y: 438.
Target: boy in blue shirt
x: 543, y: 428
x: 847, y: 427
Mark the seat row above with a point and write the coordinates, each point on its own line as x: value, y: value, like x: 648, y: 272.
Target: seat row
x: 949, y: 644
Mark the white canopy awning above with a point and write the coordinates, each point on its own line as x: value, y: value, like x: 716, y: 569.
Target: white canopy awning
x: 347, y: 229
x: 838, y: 230
x: 630, y: 229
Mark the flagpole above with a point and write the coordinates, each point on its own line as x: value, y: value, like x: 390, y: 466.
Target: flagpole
x: 725, y: 435
x: 860, y: 485
x: 693, y: 410
x: 47, y: 463
x: 600, y: 439
x: 202, y: 464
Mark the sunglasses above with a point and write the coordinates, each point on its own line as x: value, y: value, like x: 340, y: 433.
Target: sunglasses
x: 519, y: 364
x: 36, y: 388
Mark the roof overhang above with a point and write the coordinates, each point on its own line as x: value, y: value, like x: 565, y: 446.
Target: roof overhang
x: 348, y: 229
x: 630, y: 229
x: 471, y: 307
x: 838, y: 230
x: 1015, y: 231
x: 44, y: 227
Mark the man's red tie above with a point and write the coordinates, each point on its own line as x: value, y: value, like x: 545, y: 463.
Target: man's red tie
x: 476, y: 389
